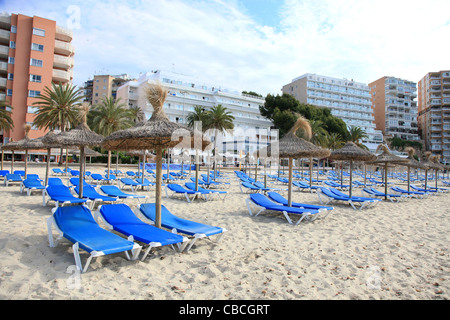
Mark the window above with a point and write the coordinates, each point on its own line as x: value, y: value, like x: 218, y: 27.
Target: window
x: 11, y: 60
x: 37, y: 47
x: 36, y: 62
x: 13, y: 29
x: 32, y: 109
x: 9, y: 92
x: 35, y: 78
x: 12, y: 44
x: 34, y: 93
x: 10, y: 76
x: 39, y: 32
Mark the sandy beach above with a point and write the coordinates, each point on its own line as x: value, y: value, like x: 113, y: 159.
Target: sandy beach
x: 394, y: 251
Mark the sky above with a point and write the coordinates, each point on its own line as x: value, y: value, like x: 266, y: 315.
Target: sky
x: 252, y: 45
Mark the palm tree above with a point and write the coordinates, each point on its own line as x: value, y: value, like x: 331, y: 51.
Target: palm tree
x: 6, y: 122
x: 109, y: 116
x: 199, y: 114
x: 356, y: 134
x: 332, y: 141
x: 58, y: 108
x: 219, y: 119
x: 318, y: 131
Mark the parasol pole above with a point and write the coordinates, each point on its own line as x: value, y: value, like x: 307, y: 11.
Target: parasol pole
x: 385, y: 180
x: 47, y: 168
x: 351, y: 175
x: 290, y: 183
x: 158, y: 186
x: 80, y: 187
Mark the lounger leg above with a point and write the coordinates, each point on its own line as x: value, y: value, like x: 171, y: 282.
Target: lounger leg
x: 76, y: 254
x: 287, y: 217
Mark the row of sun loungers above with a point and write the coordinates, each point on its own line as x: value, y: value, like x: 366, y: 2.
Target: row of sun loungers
x: 78, y: 225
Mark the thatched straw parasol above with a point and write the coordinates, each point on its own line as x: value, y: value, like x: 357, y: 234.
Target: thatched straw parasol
x: 80, y: 136
x: 157, y: 133
x: 385, y: 158
x: 350, y: 151
x: 292, y: 147
x: 25, y: 144
x: 412, y: 163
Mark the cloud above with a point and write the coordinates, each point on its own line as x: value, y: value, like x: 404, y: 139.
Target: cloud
x: 223, y: 43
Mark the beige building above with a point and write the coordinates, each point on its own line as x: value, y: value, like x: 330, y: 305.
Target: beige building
x: 395, y: 108
x: 434, y: 112
x: 103, y: 86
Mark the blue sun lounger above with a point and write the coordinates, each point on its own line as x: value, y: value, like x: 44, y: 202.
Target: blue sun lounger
x: 178, y: 189
x: 302, y: 186
x: 61, y: 195
x: 366, y: 202
x: 128, y: 182
x: 282, y: 200
x: 90, y: 193
x: 121, y: 218
x: 12, y: 178
x: 251, y: 188
x: 264, y: 203
x: 114, y: 191
x: 415, y: 194
x: 179, y: 225
x: 76, y: 224
x: 31, y: 185
x: 219, y: 193
x: 392, y: 197
x: 416, y: 188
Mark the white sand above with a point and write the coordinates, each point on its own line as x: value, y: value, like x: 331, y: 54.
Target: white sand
x: 393, y: 251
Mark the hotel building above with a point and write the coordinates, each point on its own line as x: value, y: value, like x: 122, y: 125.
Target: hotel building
x: 185, y: 93
x: 347, y: 99
x: 434, y: 112
x: 395, y: 108
x: 103, y: 86
x: 34, y: 52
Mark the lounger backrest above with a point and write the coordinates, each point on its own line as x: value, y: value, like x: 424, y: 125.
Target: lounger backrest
x: 59, y: 190
x: 249, y: 185
x: 277, y: 197
x: 97, y: 176
x: 168, y: 220
x: 128, y: 181
x: 116, y: 214
x: 176, y: 187
x: 55, y: 181
x: 261, y: 200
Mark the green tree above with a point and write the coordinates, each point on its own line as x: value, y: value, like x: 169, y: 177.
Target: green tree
x: 58, y: 107
x: 6, y: 122
x: 356, y: 134
x: 218, y: 119
x: 199, y: 114
x: 109, y: 116
x: 280, y: 109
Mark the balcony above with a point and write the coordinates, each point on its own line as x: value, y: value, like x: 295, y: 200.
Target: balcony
x: 3, y: 67
x: 4, y: 52
x: 63, y: 34
x: 64, y: 48
x: 61, y: 76
x: 2, y: 97
x: 3, y: 83
x: 62, y: 62
x: 4, y: 37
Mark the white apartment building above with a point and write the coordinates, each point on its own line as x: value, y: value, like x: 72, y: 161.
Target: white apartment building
x: 185, y: 93
x: 347, y: 99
